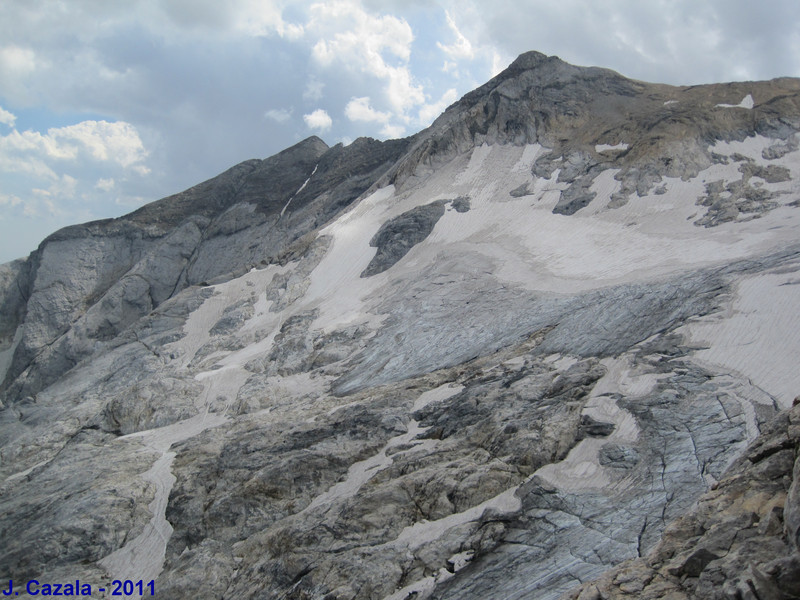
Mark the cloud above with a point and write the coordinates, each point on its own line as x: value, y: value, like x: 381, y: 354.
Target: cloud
x: 9, y: 200
x: 379, y: 46
x: 461, y: 48
x: 105, y: 184
x: 319, y: 119
x: 262, y: 18
x: 55, y: 174
x: 359, y: 109
x: 498, y: 62
x: 99, y: 140
x: 113, y: 142
x: 393, y: 131
x: 14, y: 59
x: 279, y: 115
x: 7, y: 117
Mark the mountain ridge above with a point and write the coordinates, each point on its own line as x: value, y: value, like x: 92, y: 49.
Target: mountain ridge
x: 497, y: 357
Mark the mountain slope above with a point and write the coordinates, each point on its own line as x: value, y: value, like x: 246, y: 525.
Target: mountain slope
x: 490, y: 360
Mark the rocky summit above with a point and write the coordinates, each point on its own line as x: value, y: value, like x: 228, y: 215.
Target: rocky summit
x: 546, y: 348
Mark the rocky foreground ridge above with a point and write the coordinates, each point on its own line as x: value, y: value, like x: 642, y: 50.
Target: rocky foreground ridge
x: 552, y: 333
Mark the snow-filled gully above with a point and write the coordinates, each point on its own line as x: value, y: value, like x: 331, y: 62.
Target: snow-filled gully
x: 143, y: 557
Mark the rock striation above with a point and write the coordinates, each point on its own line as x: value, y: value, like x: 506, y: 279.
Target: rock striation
x: 541, y: 349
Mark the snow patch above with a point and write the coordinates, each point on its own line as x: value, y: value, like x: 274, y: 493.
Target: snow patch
x: 473, y: 172
x: 336, y: 286
x: 143, y: 557
x: 529, y: 156
x: 756, y: 334
x: 606, y: 147
x: 443, y: 392
x: 361, y: 472
x: 747, y: 102
x: 300, y: 189
x: 423, y: 532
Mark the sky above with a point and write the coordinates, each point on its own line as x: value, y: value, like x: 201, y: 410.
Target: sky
x: 105, y: 106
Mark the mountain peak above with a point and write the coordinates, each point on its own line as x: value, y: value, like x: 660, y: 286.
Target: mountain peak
x: 534, y: 60
x: 350, y: 371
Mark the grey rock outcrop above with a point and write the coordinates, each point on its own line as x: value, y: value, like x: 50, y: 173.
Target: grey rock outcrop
x: 88, y: 283
x: 492, y: 360
x: 575, y: 112
x: 397, y: 236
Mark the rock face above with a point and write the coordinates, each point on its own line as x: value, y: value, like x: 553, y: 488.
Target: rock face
x: 550, y: 334
x: 120, y: 270
x: 397, y: 236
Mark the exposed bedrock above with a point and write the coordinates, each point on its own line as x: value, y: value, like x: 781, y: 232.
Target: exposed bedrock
x: 88, y: 283
x: 226, y: 392
x: 397, y: 236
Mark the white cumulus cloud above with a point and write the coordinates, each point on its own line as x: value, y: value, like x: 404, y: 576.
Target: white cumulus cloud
x: 7, y: 117
x: 319, y: 119
x: 117, y: 142
x: 105, y: 184
x: 359, y: 109
x: 461, y: 47
x: 58, y: 172
x: 393, y: 131
x: 379, y: 46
